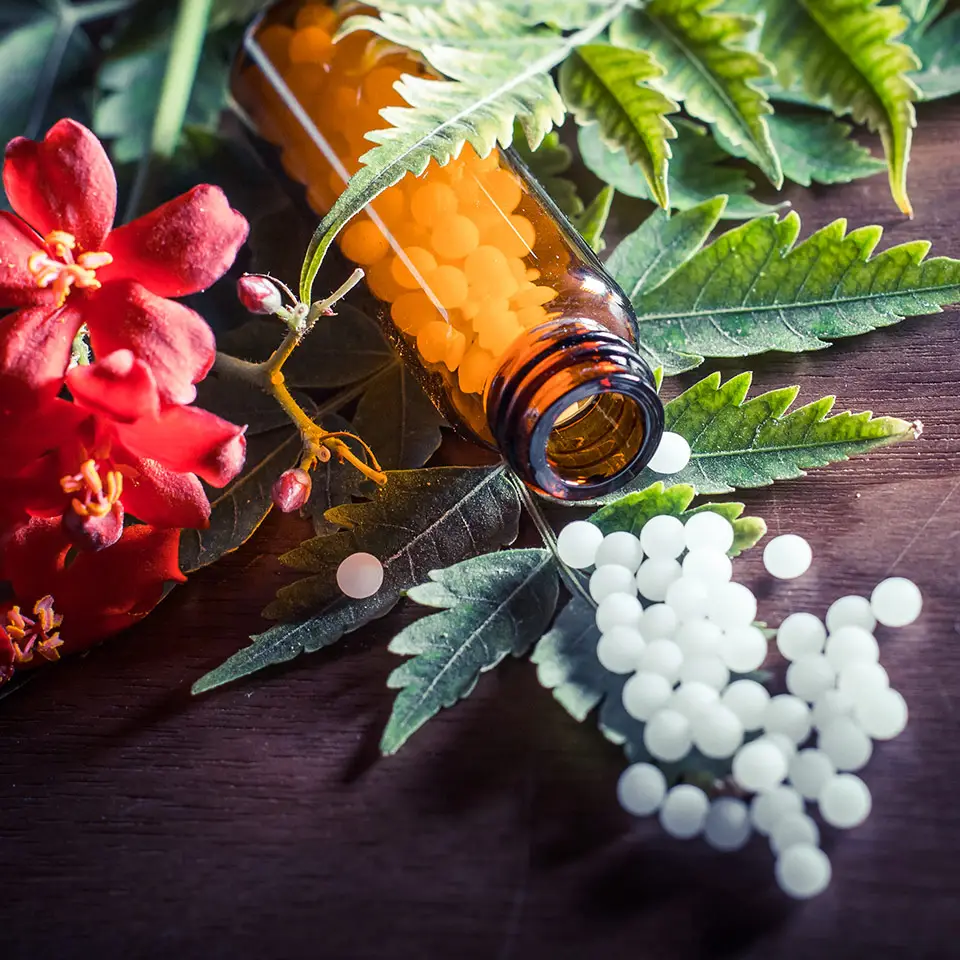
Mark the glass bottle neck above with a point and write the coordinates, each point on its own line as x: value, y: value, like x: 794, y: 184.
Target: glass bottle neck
x: 574, y: 410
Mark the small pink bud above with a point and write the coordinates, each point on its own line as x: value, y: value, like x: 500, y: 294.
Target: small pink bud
x: 92, y: 532
x: 259, y: 294
x: 291, y: 490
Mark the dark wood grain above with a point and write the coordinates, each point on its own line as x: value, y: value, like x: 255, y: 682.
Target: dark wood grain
x: 259, y: 822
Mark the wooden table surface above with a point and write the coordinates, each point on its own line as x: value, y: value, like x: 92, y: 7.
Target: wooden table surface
x: 136, y: 821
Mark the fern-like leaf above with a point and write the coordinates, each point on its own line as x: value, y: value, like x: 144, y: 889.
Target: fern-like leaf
x: 938, y: 46
x: 709, y: 68
x: 499, y: 70
x: 846, y: 51
x: 608, y: 86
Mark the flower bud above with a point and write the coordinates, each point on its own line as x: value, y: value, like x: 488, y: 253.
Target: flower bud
x: 259, y: 294
x: 90, y: 532
x: 291, y: 490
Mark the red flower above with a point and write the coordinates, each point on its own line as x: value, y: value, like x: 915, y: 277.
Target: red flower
x: 75, y: 599
x: 61, y: 262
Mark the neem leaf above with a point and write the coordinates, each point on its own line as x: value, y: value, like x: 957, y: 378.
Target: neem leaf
x: 752, y: 291
x: 496, y: 604
x: 660, y: 245
x: 607, y: 86
x: 708, y: 67
x: 698, y: 172
x: 420, y: 521
x: 938, y: 48
x: 548, y: 164
x: 847, y: 50
x: 591, y: 223
x: 632, y: 511
x: 737, y: 442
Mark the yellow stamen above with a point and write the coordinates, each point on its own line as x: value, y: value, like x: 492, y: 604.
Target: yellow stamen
x: 97, y: 498
x: 54, y: 266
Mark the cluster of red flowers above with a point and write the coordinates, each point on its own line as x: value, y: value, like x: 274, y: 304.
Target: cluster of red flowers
x: 101, y: 461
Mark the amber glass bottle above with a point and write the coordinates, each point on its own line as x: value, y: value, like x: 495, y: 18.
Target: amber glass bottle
x: 512, y: 325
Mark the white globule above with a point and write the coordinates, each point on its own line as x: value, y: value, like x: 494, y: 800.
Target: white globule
x: 727, y: 826
x: 619, y: 610
x: 688, y: 597
x: 663, y: 657
x: 709, y: 670
x: 770, y: 806
x: 845, y: 743
x: 748, y: 700
x: 645, y: 693
x: 662, y: 537
x: 698, y: 638
x: 851, y: 611
x: 809, y: 772
x: 717, y: 732
x: 611, y: 579
x: 743, y: 649
x: 830, y: 705
x: 577, y: 544
x: 691, y: 699
x: 809, y: 677
x: 850, y: 645
x: 619, y: 649
x: 641, y: 789
x: 882, y: 714
x: 672, y: 454
x: 803, y: 871
x: 845, y: 801
x: 792, y: 829
x: 710, y: 566
x: 784, y: 744
x: 896, y: 601
x: 787, y: 557
x: 759, y: 765
x: 788, y: 715
x: 620, y: 548
x: 684, y: 811
x: 655, y: 576
x: 659, y: 622
x: 732, y: 605
x: 707, y: 530
x: 360, y: 575
x: 667, y: 735
x: 862, y: 679
x: 801, y: 635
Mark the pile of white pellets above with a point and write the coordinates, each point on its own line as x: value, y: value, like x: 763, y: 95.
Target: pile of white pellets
x: 671, y: 616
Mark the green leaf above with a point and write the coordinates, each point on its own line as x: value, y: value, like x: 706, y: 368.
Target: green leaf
x: 660, y: 245
x: 846, y: 50
x: 608, y: 86
x: 752, y: 291
x: 420, y: 521
x: 499, y: 74
x: 493, y: 605
x: 709, y: 68
x: 915, y: 9
x: 697, y: 173
x: 591, y: 223
x: 938, y: 47
x: 632, y: 511
x: 815, y: 147
x: 737, y: 442
x: 548, y: 164
x: 565, y: 14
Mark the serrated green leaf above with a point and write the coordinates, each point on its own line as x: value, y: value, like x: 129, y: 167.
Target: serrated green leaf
x: 591, y: 223
x: 697, y: 173
x: 660, y: 245
x: 737, y: 443
x: 708, y: 68
x: 420, y: 521
x: 752, y: 291
x: 608, y: 86
x: 846, y: 50
x: 631, y: 511
x: 499, y: 75
x: 497, y: 604
x: 815, y: 147
x: 548, y: 164
x: 938, y: 48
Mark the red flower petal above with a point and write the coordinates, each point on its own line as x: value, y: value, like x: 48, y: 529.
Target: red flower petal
x: 34, y: 354
x: 30, y: 434
x: 119, y: 386
x: 18, y: 286
x: 181, y: 247
x: 174, y: 341
x: 163, y: 498
x: 64, y: 182
x: 189, y: 440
